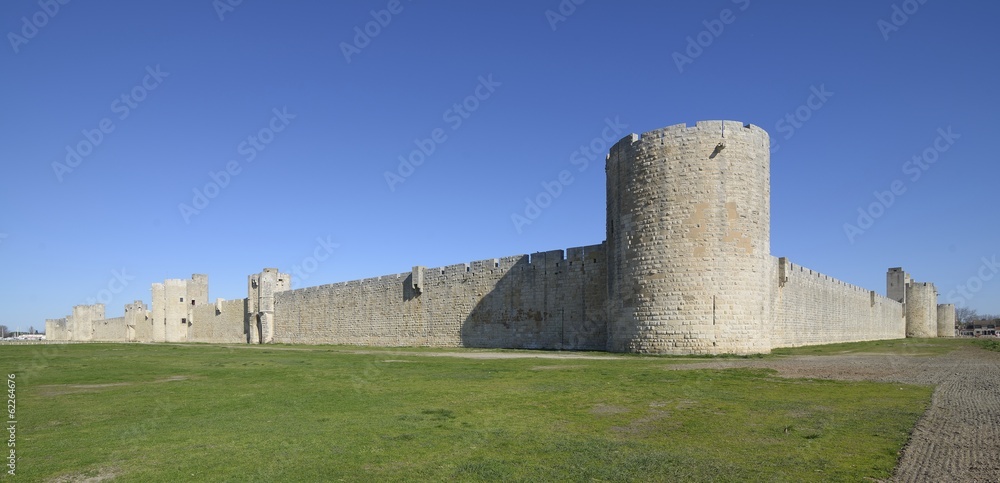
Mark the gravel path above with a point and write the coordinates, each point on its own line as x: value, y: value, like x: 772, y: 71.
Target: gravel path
x: 957, y: 439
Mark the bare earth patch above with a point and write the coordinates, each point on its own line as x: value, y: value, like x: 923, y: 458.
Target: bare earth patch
x: 61, y: 389
x: 556, y: 367
x: 103, y: 474
x: 956, y: 440
x: 607, y: 409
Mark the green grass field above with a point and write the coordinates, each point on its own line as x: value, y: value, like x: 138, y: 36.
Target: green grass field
x: 293, y: 413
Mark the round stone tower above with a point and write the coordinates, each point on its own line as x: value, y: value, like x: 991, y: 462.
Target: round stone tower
x: 921, y: 310
x: 688, y: 233
x: 946, y: 320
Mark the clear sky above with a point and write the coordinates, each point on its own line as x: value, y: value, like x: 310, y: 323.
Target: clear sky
x: 121, y: 118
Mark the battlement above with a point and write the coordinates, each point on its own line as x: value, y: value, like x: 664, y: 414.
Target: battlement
x: 721, y: 129
x: 135, y: 306
x: 548, y: 260
x: 789, y: 267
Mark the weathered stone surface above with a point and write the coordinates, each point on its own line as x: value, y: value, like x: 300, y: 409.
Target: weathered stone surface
x: 921, y: 310
x: 946, y: 320
x: 688, y: 216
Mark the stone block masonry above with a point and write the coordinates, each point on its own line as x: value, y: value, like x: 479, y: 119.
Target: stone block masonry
x: 946, y: 320
x: 110, y: 330
x: 811, y: 308
x: 547, y: 300
x: 688, y: 227
x: 921, y: 310
x: 224, y: 321
x: 686, y: 269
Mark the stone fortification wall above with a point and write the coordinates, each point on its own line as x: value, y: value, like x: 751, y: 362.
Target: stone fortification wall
x: 110, y: 330
x: 547, y: 300
x: 138, y: 323
x: 175, y: 321
x: 946, y: 320
x: 688, y: 235
x: 157, y: 325
x: 811, y: 308
x: 55, y: 329
x: 921, y: 310
x: 686, y: 269
x: 221, y: 322
x: 261, y: 288
x: 81, y: 322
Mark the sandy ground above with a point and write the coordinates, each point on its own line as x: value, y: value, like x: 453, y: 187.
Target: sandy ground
x: 956, y: 440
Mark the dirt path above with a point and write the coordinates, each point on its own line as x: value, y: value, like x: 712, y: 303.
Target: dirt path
x: 957, y: 439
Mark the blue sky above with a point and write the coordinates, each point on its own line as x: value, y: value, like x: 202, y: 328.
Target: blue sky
x: 119, y: 114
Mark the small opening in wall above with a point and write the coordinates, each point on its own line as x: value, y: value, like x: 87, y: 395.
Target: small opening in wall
x: 182, y: 299
x: 192, y: 301
x: 184, y: 321
x: 496, y: 264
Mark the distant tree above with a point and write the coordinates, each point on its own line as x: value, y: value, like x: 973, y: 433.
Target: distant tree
x: 965, y: 315
x: 31, y: 330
